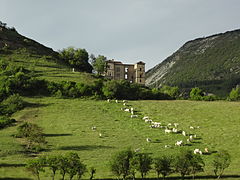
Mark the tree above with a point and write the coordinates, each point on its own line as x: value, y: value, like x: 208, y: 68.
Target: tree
x: 187, y: 163
x: 120, y: 164
x: 53, y: 164
x: 163, y: 165
x: 99, y: 64
x: 76, y: 58
x: 63, y: 166
x: 143, y: 165
x: 196, y: 94
x: 35, y: 166
x: 235, y: 94
x: 171, y: 91
x: 221, y: 161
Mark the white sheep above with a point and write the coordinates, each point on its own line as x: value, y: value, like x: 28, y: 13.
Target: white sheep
x: 179, y: 143
x: 94, y: 128
x: 145, y: 117
x: 127, y: 110
x: 148, y: 140
x: 167, y: 131
x: 134, y: 116
x: 183, y: 133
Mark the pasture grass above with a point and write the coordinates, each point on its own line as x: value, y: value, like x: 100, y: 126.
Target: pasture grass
x: 67, y: 124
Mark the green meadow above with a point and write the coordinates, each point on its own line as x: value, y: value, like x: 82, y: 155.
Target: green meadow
x: 68, y: 123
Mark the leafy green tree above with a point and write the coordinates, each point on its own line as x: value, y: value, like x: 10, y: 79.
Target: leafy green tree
x: 235, y: 94
x: 63, y: 166
x: 35, y: 166
x: 53, y: 164
x: 92, y: 172
x: 186, y: 163
x: 197, y: 164
x: 196, y: 94
x: 221, y: 161
x: 163, y: 165
x: 77, y: 58
x: 143, y: 165
x: 120, y: 164
x: 99, y: 64
x: 171, y: 91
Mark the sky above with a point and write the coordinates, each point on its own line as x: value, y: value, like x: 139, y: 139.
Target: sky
x: 124, y: 30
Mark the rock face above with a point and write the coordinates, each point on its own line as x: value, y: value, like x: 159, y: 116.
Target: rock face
x: 11, y: 39
x: 211, y: 63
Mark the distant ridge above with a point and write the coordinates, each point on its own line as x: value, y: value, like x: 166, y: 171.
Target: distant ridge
x: 212, y: 63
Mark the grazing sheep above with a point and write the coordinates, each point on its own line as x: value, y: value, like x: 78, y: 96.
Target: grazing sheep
x: 169, y: 124
x: 134, y: 116
x: 148, y: 121
x: 145, y: 117
x: 124, y: 104
x: 100, y: 135
x: 127, y: 110
x: 167, y: 131
x: 108, y: 100
x: 137, y: 150
x: 148, y: 140
x: 191, y: 127
x: 179, y: 143
x: 183, y: 133
x: 116, y: 101
x: 94, y: 128
x: 197, y: 151
x: 206, y: 150
x: 175, y: 130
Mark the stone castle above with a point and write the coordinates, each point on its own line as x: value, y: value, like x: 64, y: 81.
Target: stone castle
x: 134, y: 73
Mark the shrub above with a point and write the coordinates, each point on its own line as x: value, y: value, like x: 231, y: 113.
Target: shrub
x: 221, y: 161
x: 196, y: 94
x: 6, y: 121
x: 235, y: 94
x: 12, y: 104
x: 163, y: 165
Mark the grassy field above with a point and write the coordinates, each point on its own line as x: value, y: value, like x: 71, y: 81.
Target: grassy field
x: 46, y: 68
x: 67, y: 124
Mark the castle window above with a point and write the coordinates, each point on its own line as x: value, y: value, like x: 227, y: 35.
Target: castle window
x: 140, y: 69
x: 118, y: 69
x: 140, y: 76
x: 140, y: 80
x: 126, y: 69
x: 118, y: 75
x: 126, y: 76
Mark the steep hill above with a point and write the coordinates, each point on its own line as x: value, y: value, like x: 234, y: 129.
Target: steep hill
x: 212, y: 63
x: 12, y: 40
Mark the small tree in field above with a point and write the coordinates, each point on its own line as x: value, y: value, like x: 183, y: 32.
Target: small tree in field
x: 35, y: 166
x: 120, y: 164
x: 188, y: 163
x: 221, y: 161
x: 163, y: 165
x: 99, y: 64
x: 53, y: 164
x: 235, y: 94
x: 143, y: 165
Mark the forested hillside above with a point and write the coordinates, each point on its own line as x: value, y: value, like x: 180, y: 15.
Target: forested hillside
x: 211, y: 63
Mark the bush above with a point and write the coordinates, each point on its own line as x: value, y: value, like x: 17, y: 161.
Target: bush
x: 163, y: 165
x: 221, y: 161
x: 12, y: 104
x: 6, y: 121
x: 234, y: 94
x: 196, y: 94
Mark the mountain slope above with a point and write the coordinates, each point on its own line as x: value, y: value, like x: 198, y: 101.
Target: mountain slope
x: 212, y: 63
x: 12, y: 40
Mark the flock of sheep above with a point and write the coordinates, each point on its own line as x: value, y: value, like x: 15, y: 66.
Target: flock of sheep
x: 170, y: 128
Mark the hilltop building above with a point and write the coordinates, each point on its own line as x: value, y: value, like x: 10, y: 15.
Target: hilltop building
x: 134, y: 73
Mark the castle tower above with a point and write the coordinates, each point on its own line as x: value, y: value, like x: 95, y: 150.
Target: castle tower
x: 139, y: 72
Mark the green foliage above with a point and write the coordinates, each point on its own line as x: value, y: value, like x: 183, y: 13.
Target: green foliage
x: 120, y: 164
x: 12, y: 104
x: 171, y: 91
x: 35, y: 139
x: 35, y: 166
x: 53, y: 162
x: 221, y: 161
x: 188, y: 163
x: 6, y: 121
x: 143, y: 163
x: 77, y: 58
x: 234, y: 94
x: 99, y: 64
x: 196, y: 94
x: 163, y: 165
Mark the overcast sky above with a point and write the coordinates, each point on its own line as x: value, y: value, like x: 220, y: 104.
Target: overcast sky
x: 125, y: 30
